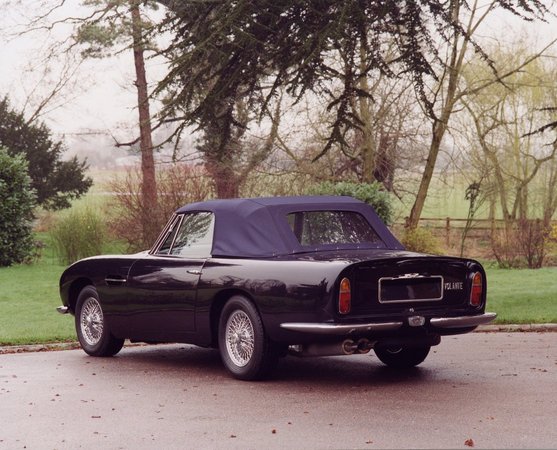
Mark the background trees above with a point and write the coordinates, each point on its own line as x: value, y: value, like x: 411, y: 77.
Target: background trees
x: 225, y: 52
x: 17, y: 200
x: 56, y: 182
x: 273, y: 97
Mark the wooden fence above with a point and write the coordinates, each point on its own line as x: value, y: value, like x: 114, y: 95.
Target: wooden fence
x: 450, y: 229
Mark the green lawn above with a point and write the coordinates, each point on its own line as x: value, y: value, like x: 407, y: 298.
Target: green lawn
x: 29, y: 296
x: 28, y: 301
x: 523, y: 296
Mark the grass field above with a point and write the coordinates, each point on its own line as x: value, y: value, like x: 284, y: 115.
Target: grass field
x: 29, y: 297
x: 28, y: 301
x: 523, y: 296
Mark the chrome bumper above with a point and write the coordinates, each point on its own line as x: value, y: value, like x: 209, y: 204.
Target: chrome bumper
x: 63, y: 309
x: 340, y: 329
x: 463, y: 322
x: 333, y: 329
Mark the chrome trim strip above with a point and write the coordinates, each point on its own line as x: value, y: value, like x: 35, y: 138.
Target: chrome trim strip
x: 340, y: 329
x: 409, y: 276
x: 115, y: 280
x: 63, y: 309
x: 463, y: 321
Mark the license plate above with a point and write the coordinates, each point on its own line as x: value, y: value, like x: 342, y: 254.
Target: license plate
x: 405, y: 289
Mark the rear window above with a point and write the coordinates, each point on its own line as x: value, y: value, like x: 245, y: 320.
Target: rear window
x: 317, y: 228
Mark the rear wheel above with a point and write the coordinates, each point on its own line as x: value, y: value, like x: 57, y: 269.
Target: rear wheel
x: 402, y: 357
x: 92, y: 330
x: 246, y: 351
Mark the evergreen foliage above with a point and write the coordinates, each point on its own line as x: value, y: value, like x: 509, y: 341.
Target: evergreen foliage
x: 17, y: 200
x: 370, y: 193
x: 55, y: 182
x: 250, y: 49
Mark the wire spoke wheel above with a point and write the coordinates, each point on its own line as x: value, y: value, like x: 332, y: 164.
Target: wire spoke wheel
x: 245, y: 349
x: 93, y: 330
x: 239, y: 338
x: 91, y: 321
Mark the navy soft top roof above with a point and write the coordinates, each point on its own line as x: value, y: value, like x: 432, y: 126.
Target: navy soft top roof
x: 257, y: 227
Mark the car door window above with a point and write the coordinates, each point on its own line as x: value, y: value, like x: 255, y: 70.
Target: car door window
x: 195, y: 236
x: 164, y: 248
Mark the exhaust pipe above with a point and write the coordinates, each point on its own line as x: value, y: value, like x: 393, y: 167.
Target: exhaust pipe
x: 364, y: 346
x: 346, y: 347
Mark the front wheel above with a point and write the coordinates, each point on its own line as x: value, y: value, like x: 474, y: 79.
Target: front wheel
x: 92, y: 330
x: 402, y: 357
x: 246, y: 351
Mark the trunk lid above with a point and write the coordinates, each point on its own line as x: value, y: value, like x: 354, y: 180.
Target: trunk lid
x: 420, y: 283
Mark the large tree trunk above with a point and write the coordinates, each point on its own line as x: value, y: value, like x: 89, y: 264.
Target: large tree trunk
x: 148, y: 183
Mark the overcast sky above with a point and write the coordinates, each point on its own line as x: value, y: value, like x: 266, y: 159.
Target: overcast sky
x: 102, y: 95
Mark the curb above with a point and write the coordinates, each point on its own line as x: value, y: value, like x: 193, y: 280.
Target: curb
x: 504, y: 328
x: 5, y: 349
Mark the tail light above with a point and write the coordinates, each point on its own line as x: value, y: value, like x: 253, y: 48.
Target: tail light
x: 344, y: 296
x: 477, y: 290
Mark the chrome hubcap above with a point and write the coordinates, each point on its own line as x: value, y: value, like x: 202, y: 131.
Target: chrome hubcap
x: 239, y: 338
x: 91, y: 321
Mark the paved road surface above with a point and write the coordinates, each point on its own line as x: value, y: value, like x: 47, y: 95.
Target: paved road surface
x: 497, y: 389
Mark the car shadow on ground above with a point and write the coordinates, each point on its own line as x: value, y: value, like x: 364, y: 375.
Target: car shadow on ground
x: 191, y: 361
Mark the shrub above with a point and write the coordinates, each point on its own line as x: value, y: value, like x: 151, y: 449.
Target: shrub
x: 78, y: 233
x: 17, y: 201
x: 370, y: 193
x: 532, y: 240
x: 421, y: 240
x: 177, y: 185
x: 504, y: 244
x: 521, y: 243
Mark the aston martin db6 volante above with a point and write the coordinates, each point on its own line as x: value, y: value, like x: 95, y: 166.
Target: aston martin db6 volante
x: 264, y: 278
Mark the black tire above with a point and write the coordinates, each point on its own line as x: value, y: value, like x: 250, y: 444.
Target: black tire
x: 245, y: 349
x: 92, y: 331
x: 402, y: 357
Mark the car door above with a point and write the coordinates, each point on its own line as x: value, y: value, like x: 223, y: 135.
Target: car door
x: 163, y: 286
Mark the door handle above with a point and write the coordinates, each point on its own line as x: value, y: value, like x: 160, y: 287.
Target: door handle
x: 194, y: 271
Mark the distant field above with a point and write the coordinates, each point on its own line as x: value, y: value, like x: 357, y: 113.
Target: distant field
x: 445, y: 197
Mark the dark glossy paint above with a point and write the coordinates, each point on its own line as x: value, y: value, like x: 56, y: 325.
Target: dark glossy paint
x: 161, y: 302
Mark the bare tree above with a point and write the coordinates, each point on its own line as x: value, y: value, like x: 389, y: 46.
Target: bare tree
x: 448, y: 92
x: 514, y: 160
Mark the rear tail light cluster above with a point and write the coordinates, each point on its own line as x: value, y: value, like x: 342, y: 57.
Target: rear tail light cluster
x: 477, y: 290
x: 344, y: 296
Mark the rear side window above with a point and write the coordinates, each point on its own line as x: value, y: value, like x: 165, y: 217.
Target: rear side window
x: 316, y: 228
x: 193, y: 237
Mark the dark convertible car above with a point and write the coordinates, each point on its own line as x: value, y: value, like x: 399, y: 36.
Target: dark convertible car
x: 265, y: 277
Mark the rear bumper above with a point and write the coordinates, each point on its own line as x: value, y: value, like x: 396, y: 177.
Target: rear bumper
x: 63, y: 309
x: 462, y: 322
x: 333, y: 329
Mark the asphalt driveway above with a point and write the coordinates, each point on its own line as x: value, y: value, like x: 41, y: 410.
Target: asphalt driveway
x: 482, y: 390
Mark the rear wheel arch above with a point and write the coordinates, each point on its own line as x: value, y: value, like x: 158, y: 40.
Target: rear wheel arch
x: 246, y: 350
x: 217, y: 305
